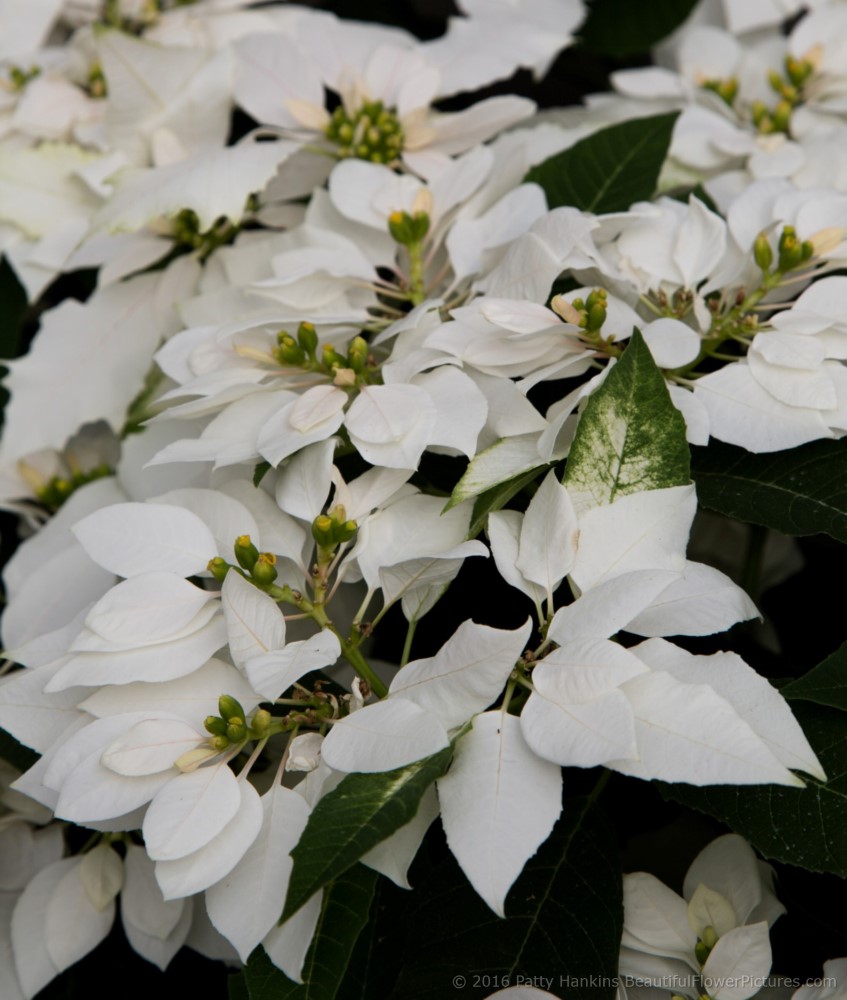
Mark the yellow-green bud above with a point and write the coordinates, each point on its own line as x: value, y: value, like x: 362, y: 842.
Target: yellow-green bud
x: 322, y: 531
x: 357, y: 354
x: 763, y: 252
x: 798, y: 71
x: 215, y: 725
x: 596, y: 317
x: 331, y: 358
x: 788, y: 233
x: 236, y: 730
x: 264, y: 570
x: 598, y: 297
x: 307, y: 337
x: 709, y: 936
x: 782, y: 116
x: 344, y: 532
x: 790, y: 254
x: 245, y: 552
x: 808, y: 249
x: 218, y: 568
x: 289, y: 352
x: 701, y: 951
x: 406, y: 229
x: 775, y: 80
x: 230, y: 708
x: 262, y: 719
x: 219, y: 742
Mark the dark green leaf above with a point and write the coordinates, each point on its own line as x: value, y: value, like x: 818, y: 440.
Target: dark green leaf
x: 622, y: 28
x: 497, y: 497
x: 237, y: 987
x: 631, y: 437
x: 355, y: 816
x: 801, y: 826
x: 259, y: 472
x: 826, y: 684
x: 343, y: 914
x: 798, y: 492
x: 564, y: 920
x: 609, y: 170
x: 16, y: 753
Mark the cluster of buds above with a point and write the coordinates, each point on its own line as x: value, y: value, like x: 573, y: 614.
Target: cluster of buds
x: 726, y: 89
x: 372, y: 132
x: 231, y: 728
x: 589, y: 313
x: 792, y: 252
x: 54, y: 492
x: 333, y: 529
x: 789, y: 89
x: 258, y: 566
x: 302, y: 352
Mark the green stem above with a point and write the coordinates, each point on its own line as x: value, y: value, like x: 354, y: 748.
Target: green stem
x: 407, y: 646
x: 354, y: 657
x: 417, y: 287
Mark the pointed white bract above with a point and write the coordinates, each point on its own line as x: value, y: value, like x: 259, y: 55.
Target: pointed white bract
x: 498, y: 805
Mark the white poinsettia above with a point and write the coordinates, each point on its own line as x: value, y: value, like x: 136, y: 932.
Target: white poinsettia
x: 718, y: 929
x: 387, y: 87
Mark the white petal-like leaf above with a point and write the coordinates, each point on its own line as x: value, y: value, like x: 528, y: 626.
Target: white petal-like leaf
x: 151, y: 746
x: 465, y: 676
x: 499, y: 802
x: 548, y: 540
x: 190, y: 811
x: 741, y: 957
x: 275, y: 672
x: 687, y: 732
x: 639, y: 531
x: 287, y: 945
x: 254, y: 622
x: 384, y: 736
x: 134, y: 538
x: 73, y: 926
x: 195, y: 872
x: 261, y: 875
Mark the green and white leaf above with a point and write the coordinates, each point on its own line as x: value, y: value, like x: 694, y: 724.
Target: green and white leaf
x: 630, y: 438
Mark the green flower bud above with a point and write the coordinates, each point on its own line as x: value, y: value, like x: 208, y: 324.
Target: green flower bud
x: 798, y: 71
x: 344, y: 532
x: 357, y: 354
x: 215, y: 725
x: 307, y: 338
x: 261, y: 721
x: 218, y: 568
x: 245, y: 552
x: 701, y: 951
x: 808, y: 249
x: 289, y: 352
x: 762, y: 252
x: 596, y: 317
x: 782, y: 116
x: 406, y: 229
x: 322, y: 531
x: 219, y: 743
x: 230, y: 708
x: 236, y: 731
x: 264, y: 570
x: 330, y: 358
x: 790, y: 254
x: 709, y: 937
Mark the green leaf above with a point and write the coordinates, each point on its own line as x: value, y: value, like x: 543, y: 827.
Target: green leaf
x: 236, y: 987
x: 259, y: 472
x: 497, y: 498
x: 800, y: 826
x: 798, y: 492
x: 355, y: 816
x: 505, y: 460
x: 13, y: 303
x: 609, y: 170
x: 630, y: 437
x: 16, y: 753
x: 622, y: 28
x: 564, y: 919
x: 826, y: 684
x: 344, y: 913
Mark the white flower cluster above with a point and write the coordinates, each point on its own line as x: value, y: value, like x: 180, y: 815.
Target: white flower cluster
x: 218, y: 453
